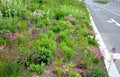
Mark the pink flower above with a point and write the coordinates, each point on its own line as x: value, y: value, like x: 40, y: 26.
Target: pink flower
x: 91, y: 32
x: 23, y: 59
x: 102, y: 52
x: 79, y: 71
x: 13, y: 36
x: 98, y: 54
x: 89, y: 48
x: 72, y: 19
x: 89, y: 72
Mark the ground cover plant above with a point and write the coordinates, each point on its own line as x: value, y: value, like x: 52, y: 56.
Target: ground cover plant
x: 48, y: 38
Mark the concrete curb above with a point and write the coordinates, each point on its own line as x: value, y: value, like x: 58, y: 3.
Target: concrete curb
x: 110, y: 66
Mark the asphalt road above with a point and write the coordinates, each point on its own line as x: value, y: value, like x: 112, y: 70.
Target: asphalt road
x: 107, y: 21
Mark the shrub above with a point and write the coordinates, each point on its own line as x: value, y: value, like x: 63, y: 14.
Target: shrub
x: 39, y: 56
x: 39, y: 68
x: 47, y: 42
x: 74, y: 74
x: 96, y: 60
x: 67, y: 51
x: 97, y: 72
x: 59, y: 15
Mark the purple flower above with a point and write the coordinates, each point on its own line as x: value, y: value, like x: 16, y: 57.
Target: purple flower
x: 58, y: 38
x: 33, y: 32
x: 60, y: 55
x: 39, y: 31
x: 29, y: 26
x: 114, y: 60
x: 56, y: 52
x: 113, y: 50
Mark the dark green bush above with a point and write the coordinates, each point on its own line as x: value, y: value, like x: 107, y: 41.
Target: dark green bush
x: 59, y: 15
x: 97, y: 72
x: 39, y: 56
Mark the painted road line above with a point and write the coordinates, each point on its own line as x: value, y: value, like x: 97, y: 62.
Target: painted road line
x: 98, y: 9
x: 116, y: 56
x: 114, y: 21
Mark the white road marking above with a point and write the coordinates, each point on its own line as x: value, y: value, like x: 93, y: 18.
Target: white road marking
x: 98, y: 9
x: 114, y: 21
x: 116, y: 56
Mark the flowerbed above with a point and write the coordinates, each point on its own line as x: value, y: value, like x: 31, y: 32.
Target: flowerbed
x: 48, y: 38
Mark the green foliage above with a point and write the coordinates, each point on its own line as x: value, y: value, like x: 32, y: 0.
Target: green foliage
x: 22, y: 25
x: 68, y: 52
x: 81, y: 31
x: 74, y: 74
x: 10, y: 69
x: 59, y: 71
x: 47, y: 42
x: 32, y: 7
x: 97, y: 72
x: 92, y: 42
x: 39, y: 56
x: 88, y: 58
x: 51, y: 35
x: 96, y: 60
x: 59, y: 15
x: 10, y: 8
x: 3, y: 39
x: 61, y: 26
x: 39, y: 68
x: 8, y: 24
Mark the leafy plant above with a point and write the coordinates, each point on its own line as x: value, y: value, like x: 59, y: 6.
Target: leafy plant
x: 59, y: 71
x: 47, y: 42
x: 39, y: 56
x: 68, y: 52
x: 74, y: 74
x: 59, y: 15
x: 96, y: 60
x: 39, y: 68
x: 97, y: 72
x: 33, y: 6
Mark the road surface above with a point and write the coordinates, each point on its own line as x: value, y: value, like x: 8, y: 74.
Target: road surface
x: 107, y: 21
